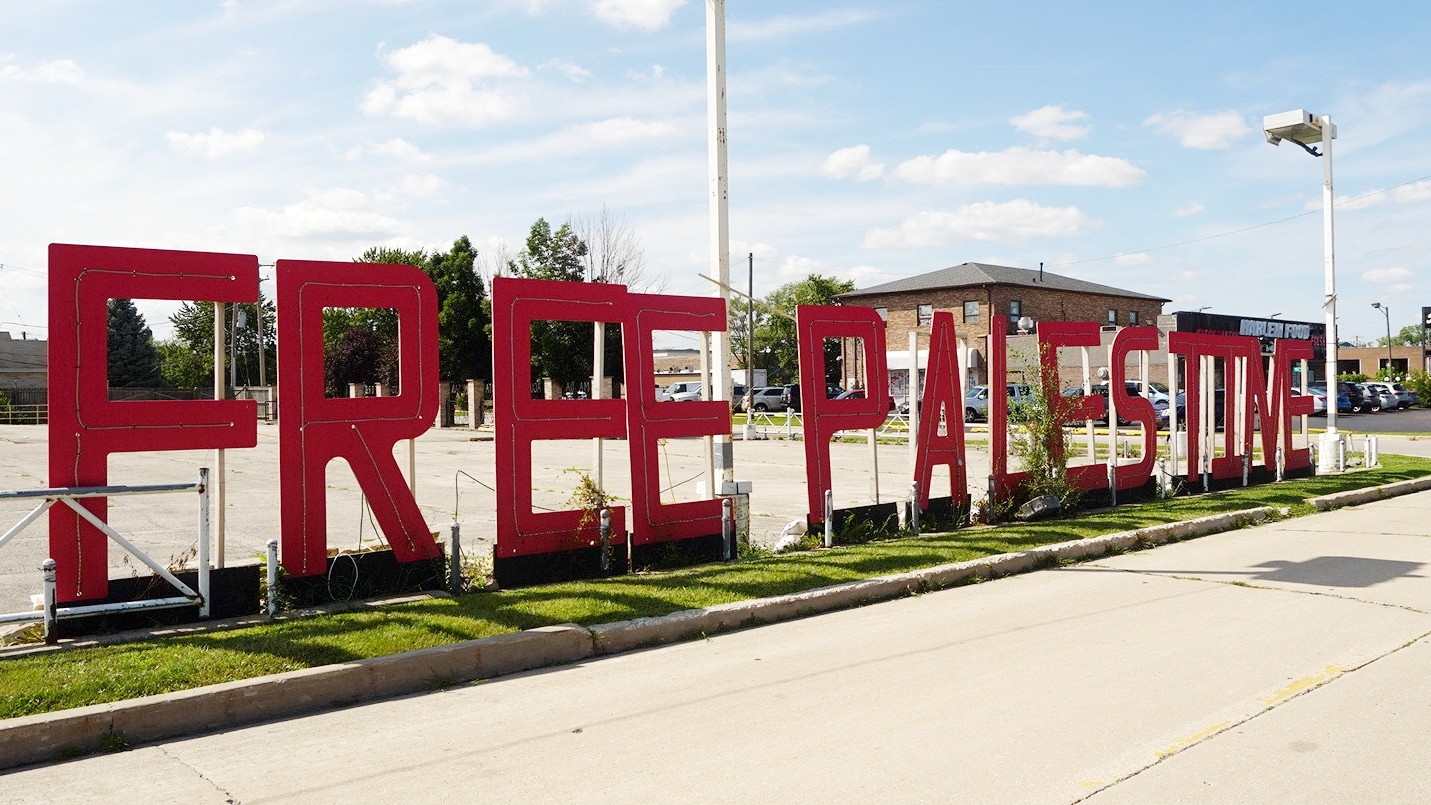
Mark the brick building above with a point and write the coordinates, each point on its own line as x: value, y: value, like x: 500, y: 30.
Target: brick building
x: 976, y: 292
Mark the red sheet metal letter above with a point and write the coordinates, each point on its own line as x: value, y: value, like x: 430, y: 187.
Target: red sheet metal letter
x: 85, y: 425
x: 521, y: 420
x: 942, y: 396
x: 315, y: 429
x: 1051, y: 336
x: 650, y: 421
x: 824, y: 416
x: 1130, y: 408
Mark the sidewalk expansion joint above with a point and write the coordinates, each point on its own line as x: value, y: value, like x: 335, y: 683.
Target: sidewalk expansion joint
x: 1289, y: 693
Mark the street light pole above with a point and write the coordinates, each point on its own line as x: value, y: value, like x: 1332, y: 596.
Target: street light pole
x: 1306, y: 129
x: 1386, y: 311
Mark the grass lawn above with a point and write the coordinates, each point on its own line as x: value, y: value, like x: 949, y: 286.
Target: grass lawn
x: 68, y: 678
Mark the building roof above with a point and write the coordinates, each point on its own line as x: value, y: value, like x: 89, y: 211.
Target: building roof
x: 975, y: 274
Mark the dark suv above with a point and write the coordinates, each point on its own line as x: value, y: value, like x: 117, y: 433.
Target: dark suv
x: 791, y: 396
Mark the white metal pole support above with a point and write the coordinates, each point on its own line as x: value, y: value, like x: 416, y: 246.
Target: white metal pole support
x: 272, y: 546
x: 914, y: 506
x: 52, y: 633
x: 1329, y: 453
x: 1112, y: 468
x: 605, y: 540
x: 454, y: 565
x: 204, y: 573
x: 727, y: 530
x: 829, y: 519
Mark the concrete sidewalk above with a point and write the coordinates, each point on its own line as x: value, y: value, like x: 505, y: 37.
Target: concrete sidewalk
x: 1282, y: 663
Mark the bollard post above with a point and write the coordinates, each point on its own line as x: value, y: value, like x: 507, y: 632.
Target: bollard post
x: 992, y: 515
x: 52, y: 632
x: 1246, y: 467
x: 829, y: 519
x: 1312, y: 446
x: 1112, y: 468
x: 454, y: 565
x: 914, y: 506
x: 1341, y: 455
x: 204, y: 578
x: 1280, y: 459
x: 1162, y: 478
x: 272, y: 546
x: 605, y: 539
x: 727, y: 529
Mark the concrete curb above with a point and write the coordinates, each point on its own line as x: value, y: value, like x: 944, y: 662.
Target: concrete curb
x: 45, y: 737
x: 613, y: 638
x: 1369, y: 494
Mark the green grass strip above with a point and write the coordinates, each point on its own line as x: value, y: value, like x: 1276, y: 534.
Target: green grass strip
x: 49, y: 681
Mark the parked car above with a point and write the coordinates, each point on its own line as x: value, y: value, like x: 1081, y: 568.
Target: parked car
x: 1348, y: 401
x: 1375, y: 398
x: 791, y: 397
x: 976, y: 401
x: 1319, y: 400
x: 684, y: 391
x: 1401, y: 394
x: 765, y: 398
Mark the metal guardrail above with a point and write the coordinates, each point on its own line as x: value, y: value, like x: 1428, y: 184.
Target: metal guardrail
x: 52, y: 613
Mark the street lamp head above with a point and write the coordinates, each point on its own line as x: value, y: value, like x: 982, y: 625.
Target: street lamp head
x: 1376, y: 305
x: 1299, y: 126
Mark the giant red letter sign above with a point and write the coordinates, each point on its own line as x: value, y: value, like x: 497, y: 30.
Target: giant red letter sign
x: 824, y: 416
x: 942, y: 399
x: 650, y: 421
x: 85, y: 425
x: 315, y: 429
x: 521, y: 420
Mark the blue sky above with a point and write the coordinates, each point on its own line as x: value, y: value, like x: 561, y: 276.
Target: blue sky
x: 1118, y: 142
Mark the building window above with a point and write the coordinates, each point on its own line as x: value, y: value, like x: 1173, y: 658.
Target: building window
x: 971, y: 312
x: 1132, y: 318
x: 926, y: 315
x: 1112, y: 317
x: 1016, y: 309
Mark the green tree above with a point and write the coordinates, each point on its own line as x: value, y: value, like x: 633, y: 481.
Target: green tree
x: 561, y: 350
x: 464, y: 346
x: 187, y: 360
x: 775, y: 334
x: 1409, y: 336
x: 133, y: 360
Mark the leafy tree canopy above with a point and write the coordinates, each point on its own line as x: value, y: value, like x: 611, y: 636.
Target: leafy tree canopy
x: 133, y: 360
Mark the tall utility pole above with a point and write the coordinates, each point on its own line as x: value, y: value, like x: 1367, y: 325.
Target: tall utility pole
x: 720, y: 215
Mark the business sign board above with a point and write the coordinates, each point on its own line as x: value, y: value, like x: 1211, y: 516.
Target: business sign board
x: 531, y: 546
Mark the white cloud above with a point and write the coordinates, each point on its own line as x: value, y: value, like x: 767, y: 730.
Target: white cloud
x: 647, y: 15
x: 853, y: 161
x: 1401, y: 287
x: 420, y: 185
x: 1214, y: 132
x: 618, y: 130
x: 62, y: 71
x: 1012, y: 220
x: 1131, y: 259
x: 1052, y: 122
x: 327, y: 213
x: 780, y: 27
x: 1019, y: 166
x: 575, y: 72
x: 1383, y: 276
x: 1412, y: 193
x: 397, y: 148
x: 215, y: 144
x: 1195, y: 208
x: 443, y: 81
